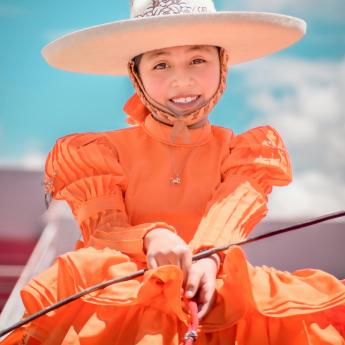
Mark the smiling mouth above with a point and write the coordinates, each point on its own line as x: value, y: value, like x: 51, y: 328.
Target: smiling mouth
x: 185, y: 102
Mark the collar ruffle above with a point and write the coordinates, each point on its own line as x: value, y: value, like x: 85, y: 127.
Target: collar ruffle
x: 162, y: 133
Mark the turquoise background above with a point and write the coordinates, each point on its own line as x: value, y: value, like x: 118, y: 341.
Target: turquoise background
x: 39, y: 104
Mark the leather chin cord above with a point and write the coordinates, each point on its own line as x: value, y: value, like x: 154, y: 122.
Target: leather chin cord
x: 191, y: 334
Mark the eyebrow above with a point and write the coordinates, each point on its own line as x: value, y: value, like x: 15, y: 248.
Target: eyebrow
x: 157, y: 53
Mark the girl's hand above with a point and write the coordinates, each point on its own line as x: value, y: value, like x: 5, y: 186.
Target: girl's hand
x: 202, y: 283
x: 163, y: 247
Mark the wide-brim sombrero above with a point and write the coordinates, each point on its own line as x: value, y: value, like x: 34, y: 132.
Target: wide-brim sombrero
x: 107, y: 48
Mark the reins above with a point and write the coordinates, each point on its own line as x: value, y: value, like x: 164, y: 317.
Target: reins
x: 190, y: 335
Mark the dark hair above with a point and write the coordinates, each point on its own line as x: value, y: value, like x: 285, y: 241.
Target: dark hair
x: 136, y: 61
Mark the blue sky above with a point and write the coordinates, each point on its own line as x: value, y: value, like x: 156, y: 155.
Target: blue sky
x: 294, y: 90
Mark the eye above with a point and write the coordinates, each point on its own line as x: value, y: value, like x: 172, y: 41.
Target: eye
x: 198, y: 61
x: 161, y: 65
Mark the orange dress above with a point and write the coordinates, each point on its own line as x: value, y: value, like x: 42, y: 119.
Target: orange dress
x: 118, y: 186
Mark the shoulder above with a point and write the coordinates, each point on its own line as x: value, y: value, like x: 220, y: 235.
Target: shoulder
x: 262, y: 136
x: 83, y: 154
x: 222, y: 134
x: 261, y: 155
x: 77, y: 140
x: 73, y: 148
x: 86, y: 140
x: 262, y: 147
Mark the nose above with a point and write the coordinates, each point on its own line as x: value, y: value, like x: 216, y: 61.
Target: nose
x: 182, y: 78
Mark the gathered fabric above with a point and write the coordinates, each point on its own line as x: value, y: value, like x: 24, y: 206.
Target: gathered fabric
x: 117, y: 185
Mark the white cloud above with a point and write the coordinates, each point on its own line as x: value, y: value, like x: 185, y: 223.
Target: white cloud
x: 305, y: 101
x: 310, y: 194
x: 32, y: 157
x: 33, y: 161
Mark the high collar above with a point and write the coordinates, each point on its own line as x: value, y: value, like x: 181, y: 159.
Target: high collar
x: 162, y: 133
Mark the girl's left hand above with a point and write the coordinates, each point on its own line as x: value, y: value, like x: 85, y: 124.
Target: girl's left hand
x: 202, y: 283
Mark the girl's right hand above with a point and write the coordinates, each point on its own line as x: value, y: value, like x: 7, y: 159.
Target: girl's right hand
x: 164, y: 247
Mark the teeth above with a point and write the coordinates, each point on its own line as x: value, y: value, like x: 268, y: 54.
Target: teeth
x: 184, y: 100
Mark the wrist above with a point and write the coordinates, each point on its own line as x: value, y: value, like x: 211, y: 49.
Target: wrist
x: 217, y: 260
x: 218, y: 257
x: 213, y: 261
x: 153, y: 233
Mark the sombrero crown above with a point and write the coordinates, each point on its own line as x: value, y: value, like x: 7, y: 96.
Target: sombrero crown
x: 156, y: 24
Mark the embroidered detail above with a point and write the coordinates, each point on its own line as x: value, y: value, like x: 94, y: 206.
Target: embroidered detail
x: 49, y: 190
x: 176, y: 180
x: 166, y: 7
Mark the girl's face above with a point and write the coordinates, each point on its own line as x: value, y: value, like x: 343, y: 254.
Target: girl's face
x: 181, y: 79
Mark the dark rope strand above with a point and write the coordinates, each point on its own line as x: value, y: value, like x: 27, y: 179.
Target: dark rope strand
x: 71, y: 299
x: 305, y: 224
x: 196, y: 257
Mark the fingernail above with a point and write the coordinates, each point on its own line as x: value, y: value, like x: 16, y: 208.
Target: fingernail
x: 189, y: 294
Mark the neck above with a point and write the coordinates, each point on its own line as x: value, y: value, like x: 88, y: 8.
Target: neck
x: 194, y: 125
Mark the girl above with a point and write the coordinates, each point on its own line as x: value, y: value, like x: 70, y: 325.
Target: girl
x: 173, y: 185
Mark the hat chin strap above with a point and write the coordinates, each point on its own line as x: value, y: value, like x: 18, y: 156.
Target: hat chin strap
x: 141, y: 104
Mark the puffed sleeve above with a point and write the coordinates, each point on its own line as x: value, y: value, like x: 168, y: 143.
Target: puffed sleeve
x: 257, y: 160
x: 84, y: 170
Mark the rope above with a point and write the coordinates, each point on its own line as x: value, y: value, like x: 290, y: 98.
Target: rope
x: 192, y: 333
x: 196, y: 257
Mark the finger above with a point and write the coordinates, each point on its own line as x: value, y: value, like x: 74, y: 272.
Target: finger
x: 151, y: 262
x: 173, y: 259
x: 162, y: 259
x: 203, y: 309
x: 186, y: 264
x: 193, y: 283
x: 207, y: 301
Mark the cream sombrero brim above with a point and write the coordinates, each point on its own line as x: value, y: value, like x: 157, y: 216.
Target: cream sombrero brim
x: 107, y: 48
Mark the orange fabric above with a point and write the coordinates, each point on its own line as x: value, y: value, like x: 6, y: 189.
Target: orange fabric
x: 225, y: 182
x: 136, y: 110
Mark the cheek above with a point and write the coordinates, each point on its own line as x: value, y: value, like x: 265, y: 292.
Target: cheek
x: 210, y: 81
x: 154, y: 86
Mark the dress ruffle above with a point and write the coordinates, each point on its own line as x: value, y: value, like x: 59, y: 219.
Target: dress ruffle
x: 257, y: 160
x: 254, y: 305
x: 84, y: 170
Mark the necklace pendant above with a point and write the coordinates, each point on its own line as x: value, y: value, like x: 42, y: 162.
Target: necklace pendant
x: 176, y: 180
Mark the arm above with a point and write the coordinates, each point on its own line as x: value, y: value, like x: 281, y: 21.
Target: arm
x: 257, y: 160
x: 84, y: 170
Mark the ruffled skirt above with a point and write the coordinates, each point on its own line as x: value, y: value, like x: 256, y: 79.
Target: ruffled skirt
x: 253, y: 305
